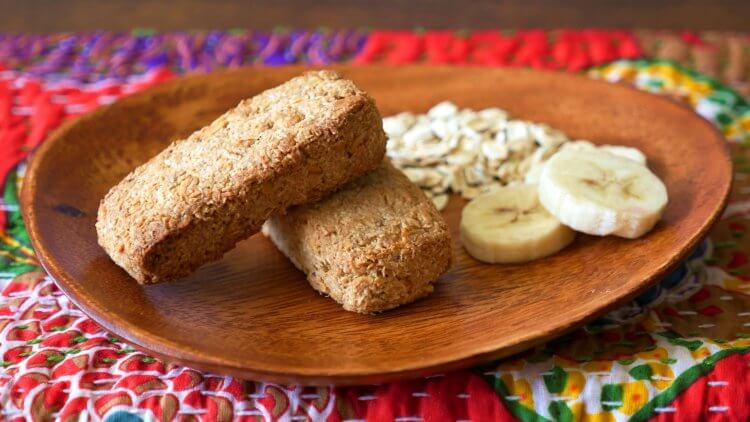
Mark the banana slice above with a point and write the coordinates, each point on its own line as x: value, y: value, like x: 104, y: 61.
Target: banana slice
x: 599, y: 193
x: 579, y: 145
x: 534, y: 173
x: 509, y: 225
x: 532, y: 176
x: 625, y: 152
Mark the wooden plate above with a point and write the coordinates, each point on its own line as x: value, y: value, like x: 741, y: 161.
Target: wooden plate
x: 253, y: 315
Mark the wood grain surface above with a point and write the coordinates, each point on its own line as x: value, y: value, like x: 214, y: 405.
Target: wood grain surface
x: 253, y: 315
x: 80, y: 15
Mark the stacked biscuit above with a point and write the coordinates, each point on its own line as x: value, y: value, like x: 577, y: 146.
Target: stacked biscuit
x: 306, y: 158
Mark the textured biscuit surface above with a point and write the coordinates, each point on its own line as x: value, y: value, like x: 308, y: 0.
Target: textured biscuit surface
x: 292, y: 144
x: 376, y: 244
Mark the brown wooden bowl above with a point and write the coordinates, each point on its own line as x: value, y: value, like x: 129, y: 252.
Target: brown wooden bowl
x: 253, y: 315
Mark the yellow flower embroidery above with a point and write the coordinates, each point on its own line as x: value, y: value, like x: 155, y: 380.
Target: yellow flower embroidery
x: 657, y: 354
x: 574, y: 385
x: 521, y: 388
x: 662, y: 375
x: 701, y: 353
x: 635, y: 395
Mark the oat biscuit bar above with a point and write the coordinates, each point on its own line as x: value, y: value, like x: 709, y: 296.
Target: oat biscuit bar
x: 291, y: 144
x: 376, y: 244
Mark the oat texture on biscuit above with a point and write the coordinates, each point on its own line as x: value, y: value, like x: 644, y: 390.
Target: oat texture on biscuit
x: 376, y: 244
x: 292, y: 144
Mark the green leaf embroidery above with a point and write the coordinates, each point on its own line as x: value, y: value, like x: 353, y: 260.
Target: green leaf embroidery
x: 723, y: 118
x: 641, y: 372
x: 148, y: 359
x: 690, y: 345
x: 556, y: 380
x: 35, y: 341
x: 611, y: 396
x: 560, y: 411
x: 55, y: 358
x: 15, y: 225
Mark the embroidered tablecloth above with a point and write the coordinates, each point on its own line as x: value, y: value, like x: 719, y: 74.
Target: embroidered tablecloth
x: 678, y: 352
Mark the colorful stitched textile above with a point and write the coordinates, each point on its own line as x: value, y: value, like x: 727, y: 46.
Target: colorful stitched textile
x: 676, y: 352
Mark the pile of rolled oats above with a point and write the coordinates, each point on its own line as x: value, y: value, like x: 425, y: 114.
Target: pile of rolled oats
x: 465, y: 151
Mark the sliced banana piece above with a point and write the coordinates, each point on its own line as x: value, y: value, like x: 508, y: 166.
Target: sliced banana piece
x: 625, y: 152
x: 510, y: 225
x: 534, y: 173
x: 578, y: 145
x: 596, y: 192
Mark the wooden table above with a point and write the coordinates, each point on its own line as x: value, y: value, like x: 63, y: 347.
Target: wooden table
x: 79, y: 15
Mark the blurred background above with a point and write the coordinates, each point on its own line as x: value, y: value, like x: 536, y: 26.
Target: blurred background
x: 80, y: 15
x: 60, y: 59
